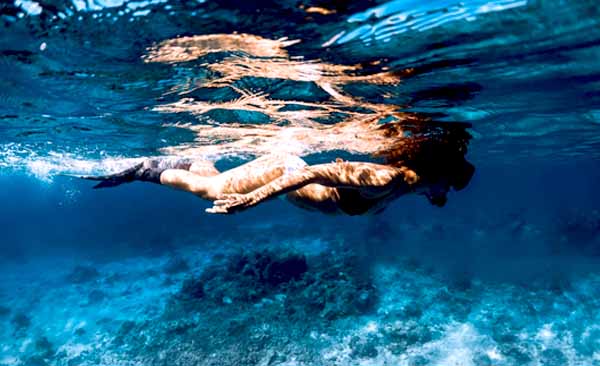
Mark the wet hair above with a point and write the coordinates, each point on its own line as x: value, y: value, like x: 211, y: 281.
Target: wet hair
x: 434, y: 150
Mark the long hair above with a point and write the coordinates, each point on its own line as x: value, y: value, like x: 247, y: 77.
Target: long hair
x: 434, y: 150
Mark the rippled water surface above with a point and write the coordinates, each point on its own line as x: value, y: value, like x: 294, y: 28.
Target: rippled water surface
x: 84, y: 81
x: 506, y: 274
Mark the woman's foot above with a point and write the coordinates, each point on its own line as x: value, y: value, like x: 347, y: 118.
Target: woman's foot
x: 147, y: 171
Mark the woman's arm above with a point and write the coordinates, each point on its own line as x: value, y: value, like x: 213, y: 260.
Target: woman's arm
x: 340, y: 174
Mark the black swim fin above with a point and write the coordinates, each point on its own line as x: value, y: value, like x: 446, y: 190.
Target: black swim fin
x: 147, y: 171
x: 113, y: 180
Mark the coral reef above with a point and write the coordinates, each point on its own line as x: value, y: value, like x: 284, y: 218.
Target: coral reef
x: 313, y: 303
x: 267, y: 302
x: 328, y: 286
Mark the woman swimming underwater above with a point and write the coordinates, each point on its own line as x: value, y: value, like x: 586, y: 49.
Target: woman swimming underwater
x: 425, y: 158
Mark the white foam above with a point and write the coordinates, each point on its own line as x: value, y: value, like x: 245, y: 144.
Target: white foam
x: 9, y: 360
x: 33, y: 8
x: 74, y: 350
x: 25, y: 345
x: 45, y: 166
x: 30, y: 7
x: 546, y: 334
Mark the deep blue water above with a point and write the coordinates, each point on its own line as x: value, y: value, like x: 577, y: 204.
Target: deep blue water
x: 507, y: 273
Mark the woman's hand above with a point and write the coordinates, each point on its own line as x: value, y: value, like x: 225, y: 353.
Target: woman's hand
x: 232, y: 202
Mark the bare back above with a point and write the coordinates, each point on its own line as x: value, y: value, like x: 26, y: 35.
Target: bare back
x: 340, y: 187
x: 259, y: 172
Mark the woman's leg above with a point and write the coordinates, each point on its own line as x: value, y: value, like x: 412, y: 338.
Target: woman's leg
x: 242, y: 179
x: 204, y: 168
x: 148, y: 170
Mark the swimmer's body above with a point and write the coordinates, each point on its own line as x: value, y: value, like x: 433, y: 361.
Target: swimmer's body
x: 340, y: 187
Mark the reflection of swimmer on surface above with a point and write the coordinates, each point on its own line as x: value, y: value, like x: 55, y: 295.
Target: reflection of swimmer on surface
x: 251, y: 56
x: 359, y: 134
x: 185, y: 49
x: 430, y: 165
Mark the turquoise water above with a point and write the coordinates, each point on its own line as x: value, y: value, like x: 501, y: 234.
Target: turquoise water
x: 506, y: 273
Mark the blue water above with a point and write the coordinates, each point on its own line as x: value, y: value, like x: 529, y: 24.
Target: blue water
x: 506, y: 273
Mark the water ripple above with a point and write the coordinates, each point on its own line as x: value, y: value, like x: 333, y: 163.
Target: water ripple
x: 400, y: 16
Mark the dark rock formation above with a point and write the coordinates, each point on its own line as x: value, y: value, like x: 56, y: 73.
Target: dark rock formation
x: 4, y: 311
x: 83, y: 274
x: 245, y: 277
x: 43, y: 348
x: 176, y: 265
x: 21, y: 323
x: 332, y: 286
x: 95, y: 296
